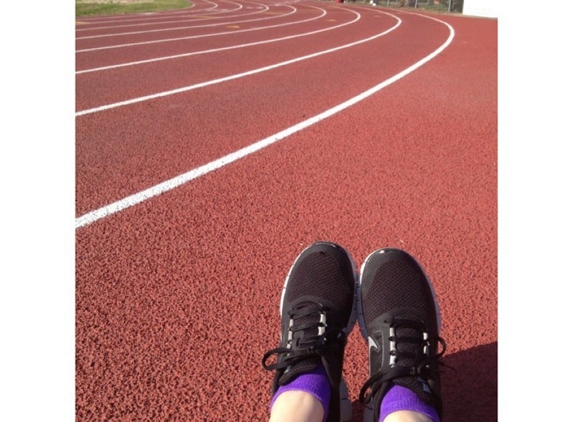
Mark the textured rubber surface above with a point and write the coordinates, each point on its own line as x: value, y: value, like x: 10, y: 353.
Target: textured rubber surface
x: 177, y: 297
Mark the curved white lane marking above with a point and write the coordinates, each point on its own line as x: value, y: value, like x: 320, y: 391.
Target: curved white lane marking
x: 153, y: 19
x: 232, y: 77
x: 121, y: 34
x: 193, y: 37
x: 224, y: 14
x: 168, y: 185
x: 215, y: 50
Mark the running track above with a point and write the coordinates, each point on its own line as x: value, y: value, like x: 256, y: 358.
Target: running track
x: 214, y: 143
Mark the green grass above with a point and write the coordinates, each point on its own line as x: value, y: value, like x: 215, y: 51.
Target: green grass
x: 92, y: 7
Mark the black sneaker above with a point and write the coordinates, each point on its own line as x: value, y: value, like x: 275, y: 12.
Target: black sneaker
x: 317, y: 314
x: 399, y: 316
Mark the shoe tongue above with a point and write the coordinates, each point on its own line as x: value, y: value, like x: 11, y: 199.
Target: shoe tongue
x: 305, y: 316
x: 303, y: 339
x: 408, y: 347
x: 409, y: 355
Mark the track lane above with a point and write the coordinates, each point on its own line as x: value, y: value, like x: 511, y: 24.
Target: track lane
x: 191, y: 25
x: 205, y: 37
x: 94, y: 26
x: 96, y: 23
x: 172, y: 30
x: 199, y: 138
x: 182, y: 71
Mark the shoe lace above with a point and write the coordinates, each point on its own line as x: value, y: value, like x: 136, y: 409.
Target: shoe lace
x: 309, y: 318
x: 411, y: 345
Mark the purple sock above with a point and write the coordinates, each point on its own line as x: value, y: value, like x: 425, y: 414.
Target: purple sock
x: 314, y: 382
x: 402, y: 398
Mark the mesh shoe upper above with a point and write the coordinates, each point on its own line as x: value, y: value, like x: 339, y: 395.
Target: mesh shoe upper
x: 316, y: 317
x: 400, y: 319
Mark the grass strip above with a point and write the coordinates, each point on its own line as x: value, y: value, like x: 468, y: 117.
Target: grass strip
x: 114, y: 7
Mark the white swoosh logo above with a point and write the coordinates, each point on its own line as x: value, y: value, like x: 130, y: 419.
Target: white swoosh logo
x: 372, y: 344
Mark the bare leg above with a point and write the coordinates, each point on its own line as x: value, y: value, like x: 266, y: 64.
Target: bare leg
x: 298, y: 406
x: 406, y: 416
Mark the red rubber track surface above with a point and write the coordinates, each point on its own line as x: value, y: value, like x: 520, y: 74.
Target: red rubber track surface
x: 177, y: 297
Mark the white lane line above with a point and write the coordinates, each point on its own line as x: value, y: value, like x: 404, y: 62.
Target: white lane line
x: 168, y: 185
x: 192, y: 37
x: 156, y: 19
x: 232, y: 77
x: 224, y: 15
x: 179, y: 28
x: 119, y: 21
x: 214, y: 50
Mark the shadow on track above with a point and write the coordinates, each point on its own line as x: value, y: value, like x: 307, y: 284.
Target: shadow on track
x: 470, y: 391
